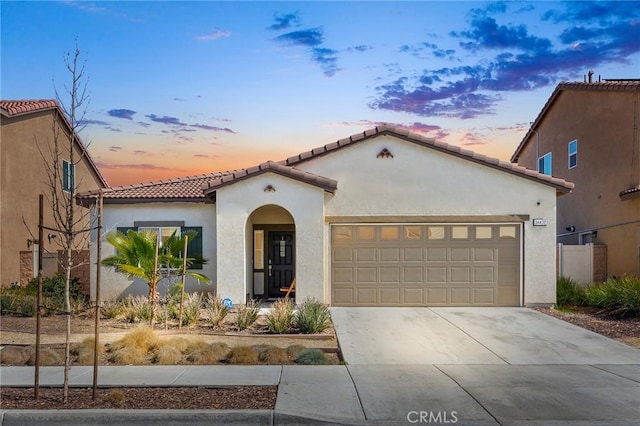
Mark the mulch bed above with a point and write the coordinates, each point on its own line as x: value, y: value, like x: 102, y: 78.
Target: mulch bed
x: 236, y: 397
x: 614, y: 328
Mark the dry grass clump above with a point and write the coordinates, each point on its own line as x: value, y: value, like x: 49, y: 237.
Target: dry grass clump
x: 274, y: 355
x: 294, y: 350
x: 209, y: 354
x: 47, y: 357
x: 128, y: 355
x: 141, y: 337
x: 243, y: 355
x: 195, y: 345
x: 116, y: 396
x: 134, y: 346
x: 167, y: 355
x: 84, y: 351
x: 180, y: 343
x: 13, y: 355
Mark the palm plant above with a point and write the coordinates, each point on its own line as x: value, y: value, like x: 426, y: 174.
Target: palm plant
x: 142, y: 255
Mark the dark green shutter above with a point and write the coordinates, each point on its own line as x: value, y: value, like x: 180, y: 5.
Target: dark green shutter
x: 126, y: 229
x: 194, y: 248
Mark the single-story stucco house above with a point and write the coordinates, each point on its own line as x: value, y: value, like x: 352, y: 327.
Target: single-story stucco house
x: 382, y: 218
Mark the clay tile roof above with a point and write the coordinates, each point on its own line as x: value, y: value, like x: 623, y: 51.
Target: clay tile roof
x: 630, y: 86
x: 327, y: 184
x: 187, y: 188
x: 13, y: 108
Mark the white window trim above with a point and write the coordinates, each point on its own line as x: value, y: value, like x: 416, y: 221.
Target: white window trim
x: 569, y: 154
x: 68, y: 171
x: 550, y: 156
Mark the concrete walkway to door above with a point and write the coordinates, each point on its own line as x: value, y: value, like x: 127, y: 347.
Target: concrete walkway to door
x: 409, y: 336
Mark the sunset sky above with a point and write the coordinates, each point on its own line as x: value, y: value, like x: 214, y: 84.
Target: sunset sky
x: 183, y: 88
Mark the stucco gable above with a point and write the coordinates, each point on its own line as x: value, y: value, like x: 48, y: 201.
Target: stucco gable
x: 327, y: 184
x: 561, y: 185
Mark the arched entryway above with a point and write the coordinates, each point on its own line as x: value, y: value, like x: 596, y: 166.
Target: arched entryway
x: 272, y: 251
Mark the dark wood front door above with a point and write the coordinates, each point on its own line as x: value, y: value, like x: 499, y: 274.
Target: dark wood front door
x: 281, y: 262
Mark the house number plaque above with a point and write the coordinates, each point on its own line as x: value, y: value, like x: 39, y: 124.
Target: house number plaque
x: 539, y: 222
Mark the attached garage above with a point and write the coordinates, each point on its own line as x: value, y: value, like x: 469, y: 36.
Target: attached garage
x: 417, y: 264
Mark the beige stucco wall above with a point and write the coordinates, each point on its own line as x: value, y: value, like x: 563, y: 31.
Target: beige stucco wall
x: 422, y: 182
x: 605, y: 123
x: 23, y: 177
x: 235, y: 204
x: 115, y: 285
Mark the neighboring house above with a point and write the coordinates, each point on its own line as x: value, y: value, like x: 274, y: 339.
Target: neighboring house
x: 27, y: 132
x: 383, y: 217
x: 589, y: 133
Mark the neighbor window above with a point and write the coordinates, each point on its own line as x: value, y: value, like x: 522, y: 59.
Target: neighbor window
x: 68, y: 176
x: 573, y: 153
x: 162, y: 233
x: 544, y: 164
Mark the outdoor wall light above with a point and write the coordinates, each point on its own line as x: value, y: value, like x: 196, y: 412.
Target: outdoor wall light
x: 571, y: 228
x: 51, y: 237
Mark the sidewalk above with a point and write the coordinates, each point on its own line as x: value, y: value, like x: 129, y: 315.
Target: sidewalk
x: 366, y: 394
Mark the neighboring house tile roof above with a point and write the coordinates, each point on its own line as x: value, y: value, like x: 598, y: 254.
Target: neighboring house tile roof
x: 16, y: 108
x: 196, y: 188
x: 606, y: 86
x: 327, y: 184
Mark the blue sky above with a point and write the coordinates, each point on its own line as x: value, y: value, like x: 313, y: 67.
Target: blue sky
x: 182, y: 88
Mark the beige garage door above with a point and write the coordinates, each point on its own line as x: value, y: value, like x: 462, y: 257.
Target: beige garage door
x: 425, y: 265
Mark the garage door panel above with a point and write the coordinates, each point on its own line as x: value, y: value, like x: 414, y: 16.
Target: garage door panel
x: 390, y: 296
x: 413, y: 275
x: 484, y: 274
x: 460, y: 274
x: 366, y: 254
x: 484, y: 296
x: 420, y: 264
x: 343, y: 275
x: 413, y: 254
x: 460, y: 296
x: 484, y: 254
x: 341, y: 254
x: 437, y: 274
x: 437, y: 296
x: 389, y: 275
x: 390, y: 254
x: 414, y: 295
x: 367, y: 275
x: 366, y: 295
x: 460, y: 255
x: 436, y: 254
x: 343, y: 296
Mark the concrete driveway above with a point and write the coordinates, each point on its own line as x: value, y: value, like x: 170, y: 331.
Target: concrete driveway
x: 470, y: 336
x: 492, y: 366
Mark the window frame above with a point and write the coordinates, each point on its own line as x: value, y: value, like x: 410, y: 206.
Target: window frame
x: 574, y: 154
x: 68, y: 176
x: 547, y: 159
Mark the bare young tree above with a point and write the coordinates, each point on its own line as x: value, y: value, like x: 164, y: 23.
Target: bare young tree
x: 61, y: 156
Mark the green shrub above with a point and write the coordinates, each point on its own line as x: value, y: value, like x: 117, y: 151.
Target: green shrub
x: 53, y: 287
x: 17, y: 301
x: 617, y: 296
x: 281, y: 318
x: 247, y: 315
x: 313, y: 317
x: 312, y: 357
x: 215, y: 310
x: 569, y: 293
